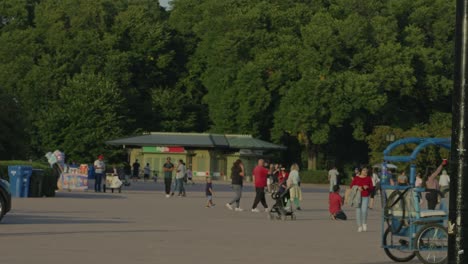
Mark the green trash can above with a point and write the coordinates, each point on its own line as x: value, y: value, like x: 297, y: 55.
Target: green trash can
x: 36, y: 182
x: 49, y: 185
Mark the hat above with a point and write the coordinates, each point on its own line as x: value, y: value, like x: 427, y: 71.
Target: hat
x: 101, y: 156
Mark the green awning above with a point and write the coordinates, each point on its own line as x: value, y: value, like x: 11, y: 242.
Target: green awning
x: 196, y: 140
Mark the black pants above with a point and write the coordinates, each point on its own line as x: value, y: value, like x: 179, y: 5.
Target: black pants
x: 341, y: 215
x: 167, y: 185
x: 259, y: 197
x: 431, y: 198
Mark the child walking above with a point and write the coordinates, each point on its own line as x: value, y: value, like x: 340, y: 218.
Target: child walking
x: 209, y: 193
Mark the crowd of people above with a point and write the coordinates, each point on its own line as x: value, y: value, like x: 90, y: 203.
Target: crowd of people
x: 274, y: 178
x: 366, y: 182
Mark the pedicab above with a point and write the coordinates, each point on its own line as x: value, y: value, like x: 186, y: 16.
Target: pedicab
x: 113, y: 182
x: 407, y: 229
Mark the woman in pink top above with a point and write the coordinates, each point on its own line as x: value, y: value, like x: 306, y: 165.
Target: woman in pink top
x: 364, y: 183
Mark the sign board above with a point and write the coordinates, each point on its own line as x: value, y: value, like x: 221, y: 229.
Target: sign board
x: 74, y: 179
x: 163, y: 149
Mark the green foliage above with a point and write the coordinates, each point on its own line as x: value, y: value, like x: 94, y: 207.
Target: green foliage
x: 82, y: 72
x: 314, y: 176
x: 36, y: 165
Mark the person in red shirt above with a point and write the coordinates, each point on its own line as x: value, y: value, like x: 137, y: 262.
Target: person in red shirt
x: 283, y: 175
x: 364, y: 183
x: 335, y: 201
x: 260, y: 174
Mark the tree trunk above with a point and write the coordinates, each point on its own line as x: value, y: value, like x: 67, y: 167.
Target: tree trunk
x: 311, y: 157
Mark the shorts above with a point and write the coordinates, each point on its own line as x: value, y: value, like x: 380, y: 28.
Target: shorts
x: 209, y: 197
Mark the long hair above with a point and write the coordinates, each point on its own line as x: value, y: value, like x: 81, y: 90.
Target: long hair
x: 236, y: 164
x: 295, y: 167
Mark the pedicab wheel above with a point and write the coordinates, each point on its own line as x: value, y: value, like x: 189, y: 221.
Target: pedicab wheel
x: 432, y: 244
x: 397, y: 247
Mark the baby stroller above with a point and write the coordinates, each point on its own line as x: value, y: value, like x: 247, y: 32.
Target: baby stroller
x: 279, y: 210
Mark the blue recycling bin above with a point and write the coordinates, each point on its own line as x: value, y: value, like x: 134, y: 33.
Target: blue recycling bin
x: 91, y: 173
x: 19, y: 180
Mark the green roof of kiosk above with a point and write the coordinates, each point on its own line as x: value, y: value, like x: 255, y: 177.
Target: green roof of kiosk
x: 196, y: 140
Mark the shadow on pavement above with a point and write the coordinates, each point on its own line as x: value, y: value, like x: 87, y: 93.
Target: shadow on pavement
x: 88, y: 195
x: 33, y: 219
x: 52, y: 233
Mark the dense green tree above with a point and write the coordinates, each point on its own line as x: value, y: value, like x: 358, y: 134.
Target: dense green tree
x: 87, y: 113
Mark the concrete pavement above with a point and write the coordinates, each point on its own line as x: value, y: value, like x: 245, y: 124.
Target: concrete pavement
x: 140, y: 225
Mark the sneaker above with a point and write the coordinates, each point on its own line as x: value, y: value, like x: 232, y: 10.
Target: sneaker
x: 267, y: 210
x: 167, y: 196
x: 239, y: 209
x: 359, y: 229
x: 364, y: 227
x: 207, y: 206
x: 299, y: 208
x: 212, y: 205
x: 229, y: 206
x: 255, y: 210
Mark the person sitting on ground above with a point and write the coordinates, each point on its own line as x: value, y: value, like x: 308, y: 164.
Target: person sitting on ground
x: 335, y: 202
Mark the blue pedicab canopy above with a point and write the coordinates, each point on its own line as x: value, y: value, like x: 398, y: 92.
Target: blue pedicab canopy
x: 421, y: 144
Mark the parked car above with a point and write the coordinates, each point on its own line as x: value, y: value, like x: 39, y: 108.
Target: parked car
x: 5, y: 198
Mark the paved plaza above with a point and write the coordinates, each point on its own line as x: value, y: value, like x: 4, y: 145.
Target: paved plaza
x: 140, y: 225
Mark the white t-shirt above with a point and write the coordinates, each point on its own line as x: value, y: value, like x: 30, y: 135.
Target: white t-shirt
x: 180, y: 171
x: 375, y: 178
x: 333, y: 175
x: 100, y: 166
x: 147, y: 170
x: 444, y: 180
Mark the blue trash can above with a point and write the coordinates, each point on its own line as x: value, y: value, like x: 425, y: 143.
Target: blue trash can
x: 91, y: 174
x: 19, y: 180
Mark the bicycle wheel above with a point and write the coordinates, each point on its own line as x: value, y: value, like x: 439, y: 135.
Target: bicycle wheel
x: 397, y: 247
x: 432, y: 244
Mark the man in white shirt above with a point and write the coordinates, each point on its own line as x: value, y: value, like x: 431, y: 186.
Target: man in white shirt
x: 333, y: 177
x: 99, y: 170
x: 444, y: 181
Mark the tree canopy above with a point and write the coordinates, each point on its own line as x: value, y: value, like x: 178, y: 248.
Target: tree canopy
x: 325, y: 73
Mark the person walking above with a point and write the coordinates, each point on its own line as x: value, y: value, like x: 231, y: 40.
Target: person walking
x: 237, y: 176
x: 180, y: 175
x: 376, y: 184
x: 168, y: 168
x: 260, y: 173
x: 99, y: 170
x: 146, y: 172
x: 136, y: 170
x: 271, y: 170
x: 209, y: 193
x: 295, y: 192
x: 364, y: 184
x: 333, y: 177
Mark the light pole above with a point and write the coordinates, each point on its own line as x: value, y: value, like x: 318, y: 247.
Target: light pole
x: 459, y: 163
